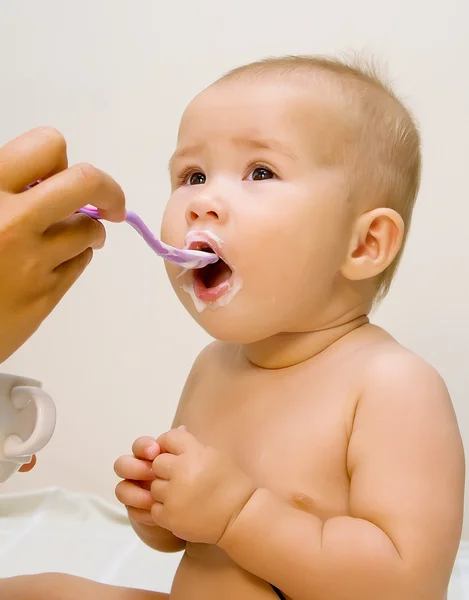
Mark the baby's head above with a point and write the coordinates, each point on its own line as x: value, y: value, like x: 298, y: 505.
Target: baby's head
x: 301, y: 173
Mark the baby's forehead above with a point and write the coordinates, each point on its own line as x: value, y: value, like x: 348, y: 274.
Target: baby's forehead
x: 308, y: 115
x: 252, y: 93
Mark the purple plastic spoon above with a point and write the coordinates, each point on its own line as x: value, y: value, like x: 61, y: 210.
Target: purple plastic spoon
x: 188, y: 259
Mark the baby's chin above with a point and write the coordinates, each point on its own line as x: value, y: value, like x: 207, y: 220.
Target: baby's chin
x: 231, y: 323
x: 230, y: 333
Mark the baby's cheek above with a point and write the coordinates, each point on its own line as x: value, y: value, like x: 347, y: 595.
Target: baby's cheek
x: 169, y: 226
x: 174, y: 213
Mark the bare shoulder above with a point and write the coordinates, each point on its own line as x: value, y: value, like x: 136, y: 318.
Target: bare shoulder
x: 392, y: 362
x: 401, y: 391
x: 403, y: 404
x: 405, y: 419
x: 406, y: 458
x: 209, y: 358
x: 214, y: 358
x: 393, y: 374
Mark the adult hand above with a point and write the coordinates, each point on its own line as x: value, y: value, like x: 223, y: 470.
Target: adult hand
x: 44, y: 244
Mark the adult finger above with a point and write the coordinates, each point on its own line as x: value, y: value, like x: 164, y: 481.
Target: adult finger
x: 73, y: 236
x: 63, y: 194
x: 67, y: 273
x: 34, y: 155
x: 129, y: 467
x: 130, y: 494
x: 163, y: 465
x: 146, y: 447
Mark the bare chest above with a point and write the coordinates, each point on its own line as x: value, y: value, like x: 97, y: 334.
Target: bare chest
x: 289, y: 431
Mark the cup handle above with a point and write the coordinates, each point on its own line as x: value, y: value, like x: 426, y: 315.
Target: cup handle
x: 21, y: 396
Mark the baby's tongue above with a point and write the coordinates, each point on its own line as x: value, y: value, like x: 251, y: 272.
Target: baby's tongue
x: 216, y: 274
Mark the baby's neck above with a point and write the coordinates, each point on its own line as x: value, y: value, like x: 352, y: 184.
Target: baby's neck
x: 289, y: 349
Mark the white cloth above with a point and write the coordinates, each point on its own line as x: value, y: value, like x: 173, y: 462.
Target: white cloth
x: 81, y: 534
x: 61, y: 531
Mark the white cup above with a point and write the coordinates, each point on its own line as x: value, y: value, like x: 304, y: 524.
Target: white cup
x: 27, y: 422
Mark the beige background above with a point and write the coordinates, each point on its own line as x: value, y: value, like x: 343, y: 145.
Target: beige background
x: 114, y: 76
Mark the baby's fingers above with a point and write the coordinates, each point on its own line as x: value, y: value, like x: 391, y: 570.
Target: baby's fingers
x: 141, y: 516
x: 133, y: 496
x: 129, y: 467
x: 146, y: 447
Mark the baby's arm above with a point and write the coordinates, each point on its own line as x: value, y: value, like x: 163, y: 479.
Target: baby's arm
x: 406, y: 467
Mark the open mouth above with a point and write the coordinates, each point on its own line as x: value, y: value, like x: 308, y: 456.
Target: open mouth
x: 212, y: 281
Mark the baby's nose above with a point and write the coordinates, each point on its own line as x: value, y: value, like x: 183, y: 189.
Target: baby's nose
x: 204, y: 209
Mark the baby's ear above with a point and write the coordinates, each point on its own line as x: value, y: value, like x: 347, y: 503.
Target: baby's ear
x: 376, y: 240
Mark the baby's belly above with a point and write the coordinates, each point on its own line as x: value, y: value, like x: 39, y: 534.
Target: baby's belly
x: 207, y: 573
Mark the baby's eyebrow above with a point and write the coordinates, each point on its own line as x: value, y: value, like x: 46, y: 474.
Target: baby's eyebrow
x: 251, y: 143
x: 266, y: 144
x: 181, y: 152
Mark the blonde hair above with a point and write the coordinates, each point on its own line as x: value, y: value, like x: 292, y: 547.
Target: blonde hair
x: 385, y: 161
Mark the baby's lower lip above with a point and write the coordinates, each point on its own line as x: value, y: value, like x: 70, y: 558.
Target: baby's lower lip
x: 212, y: 294
x: 213, y: 281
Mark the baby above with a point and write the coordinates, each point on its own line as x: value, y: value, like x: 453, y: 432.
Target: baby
x: 311, y: 456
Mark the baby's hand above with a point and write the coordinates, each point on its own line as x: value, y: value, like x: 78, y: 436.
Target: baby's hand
x: 198, y: 491
x: 136, y: 471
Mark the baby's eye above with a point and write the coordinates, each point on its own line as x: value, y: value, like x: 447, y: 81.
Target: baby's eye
x: 196, y: 179
x: 261, y: 173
